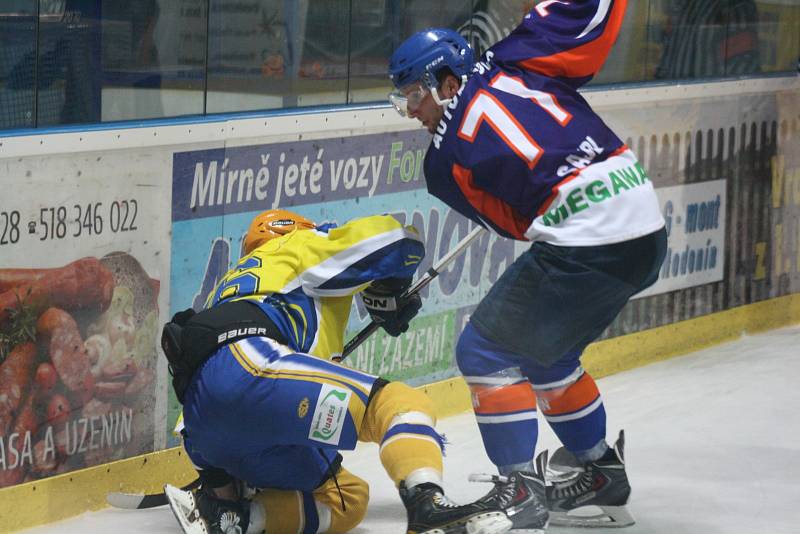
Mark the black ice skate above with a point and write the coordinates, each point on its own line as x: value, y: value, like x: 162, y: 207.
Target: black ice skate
x: 521, y: 495
x: 199, y: 512
x: 594, y: 496
x: 562, y: 465
x: 430, y: 512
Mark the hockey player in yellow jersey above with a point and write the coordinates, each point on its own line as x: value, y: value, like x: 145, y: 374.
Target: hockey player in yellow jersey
x: 264, y: 404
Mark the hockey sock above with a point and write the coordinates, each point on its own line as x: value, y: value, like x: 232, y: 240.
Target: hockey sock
x: 502, y: 398
x: 257, y: 518
x: 401, y: 420
x: 327, y: 509
x: 505, y: 409
x: 288, y: 511
x: 573, y: 407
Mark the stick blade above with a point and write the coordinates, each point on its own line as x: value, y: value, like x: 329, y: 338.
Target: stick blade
x: 135, y: 501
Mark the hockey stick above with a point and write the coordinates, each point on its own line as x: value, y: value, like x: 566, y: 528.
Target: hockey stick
x: 426, y: 279
x: 141, y: 501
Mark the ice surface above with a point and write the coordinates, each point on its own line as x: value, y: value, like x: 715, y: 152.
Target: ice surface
x: 712, y: 443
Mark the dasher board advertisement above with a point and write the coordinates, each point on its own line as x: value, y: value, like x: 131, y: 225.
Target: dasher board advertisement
x: 695, y: 224
x: 79, y: 284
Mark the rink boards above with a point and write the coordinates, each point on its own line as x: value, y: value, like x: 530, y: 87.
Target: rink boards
x: 174, y: 199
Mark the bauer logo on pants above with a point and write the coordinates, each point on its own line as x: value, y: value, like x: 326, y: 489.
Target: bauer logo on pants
x: 329, y: 415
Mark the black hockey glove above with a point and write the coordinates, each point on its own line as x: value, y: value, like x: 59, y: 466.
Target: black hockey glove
x: 388, y: 308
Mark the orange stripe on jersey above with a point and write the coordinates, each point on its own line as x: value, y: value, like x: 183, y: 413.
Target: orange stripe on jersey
x: 620, y: 150
x: 490, y: 206
x: 584, y: 60
x: 570, y: 399
x: 492, y: 399
x: 544, y: 207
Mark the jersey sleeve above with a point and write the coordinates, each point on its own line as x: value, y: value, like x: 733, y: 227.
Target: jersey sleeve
x: 346, y: 259
x: 566, y: 39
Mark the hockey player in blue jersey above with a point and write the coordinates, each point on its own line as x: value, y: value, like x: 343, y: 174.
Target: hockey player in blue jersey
x: 518, y: 150
x: 264, y: 404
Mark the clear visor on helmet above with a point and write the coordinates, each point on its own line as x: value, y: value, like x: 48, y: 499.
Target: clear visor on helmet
x: 407, y: 99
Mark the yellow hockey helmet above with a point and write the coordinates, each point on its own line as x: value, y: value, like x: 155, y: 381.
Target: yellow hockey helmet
x: 271, y: 224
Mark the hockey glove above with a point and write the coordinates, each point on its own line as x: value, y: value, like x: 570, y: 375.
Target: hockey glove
x: 388, y: 308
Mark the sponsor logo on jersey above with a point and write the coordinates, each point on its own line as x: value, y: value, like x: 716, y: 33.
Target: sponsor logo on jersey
x: 302, y: 408
x: 584, y: 196
x: 330, y: 414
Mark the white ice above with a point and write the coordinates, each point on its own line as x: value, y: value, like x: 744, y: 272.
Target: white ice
x: 712, y: 443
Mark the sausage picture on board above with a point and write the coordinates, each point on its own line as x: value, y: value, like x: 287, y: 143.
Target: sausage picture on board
x: 77, y: 365
x: 15, y: 374
x: 85, y: 283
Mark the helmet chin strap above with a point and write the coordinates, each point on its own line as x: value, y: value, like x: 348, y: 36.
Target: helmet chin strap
x: 444, y: 101
x: 440, y: 101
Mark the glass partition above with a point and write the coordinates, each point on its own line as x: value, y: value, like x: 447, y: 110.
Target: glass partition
x: 68, y: 70
x: 704, y: 38
x: 778, y: 29
x: 153, y: 57
x: 379, y: 26
x: 88, y: 61
x: 274, y: 54
x: 17, y: 63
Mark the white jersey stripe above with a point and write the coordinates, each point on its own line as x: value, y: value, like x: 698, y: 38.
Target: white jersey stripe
x: 411, y: 418
x: 318, y: 274
x: 509, y: 418
x: 599, y: 17
x: 303, y: 362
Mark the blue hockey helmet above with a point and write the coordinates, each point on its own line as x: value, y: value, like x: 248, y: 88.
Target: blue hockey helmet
x: 425, y: 53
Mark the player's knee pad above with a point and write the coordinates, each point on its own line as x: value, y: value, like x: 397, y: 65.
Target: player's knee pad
x: 393, y: 399
x: 401, y: 419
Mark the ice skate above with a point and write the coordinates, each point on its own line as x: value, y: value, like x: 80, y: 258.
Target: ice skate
x: 595, y: 496
x: 562, y: 465
x: 198, y: 512
x: 521, y: 495
x: 430, y: 512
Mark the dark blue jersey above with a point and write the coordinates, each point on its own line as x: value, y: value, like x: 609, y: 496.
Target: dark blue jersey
x: 520, y: 151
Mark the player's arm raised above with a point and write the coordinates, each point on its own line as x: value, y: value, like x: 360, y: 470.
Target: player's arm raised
x: 565, y: 39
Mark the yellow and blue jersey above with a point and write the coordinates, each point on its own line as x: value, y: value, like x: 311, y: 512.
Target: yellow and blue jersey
x: 305, y: 281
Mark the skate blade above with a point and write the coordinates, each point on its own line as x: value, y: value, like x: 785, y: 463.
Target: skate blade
x: 183, y: 508
x: 593, y: 517
x: 488, y: 523
x: 491, y: 523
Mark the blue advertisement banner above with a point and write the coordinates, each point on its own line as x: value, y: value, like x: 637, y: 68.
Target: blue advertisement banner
x: 223, y: 181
